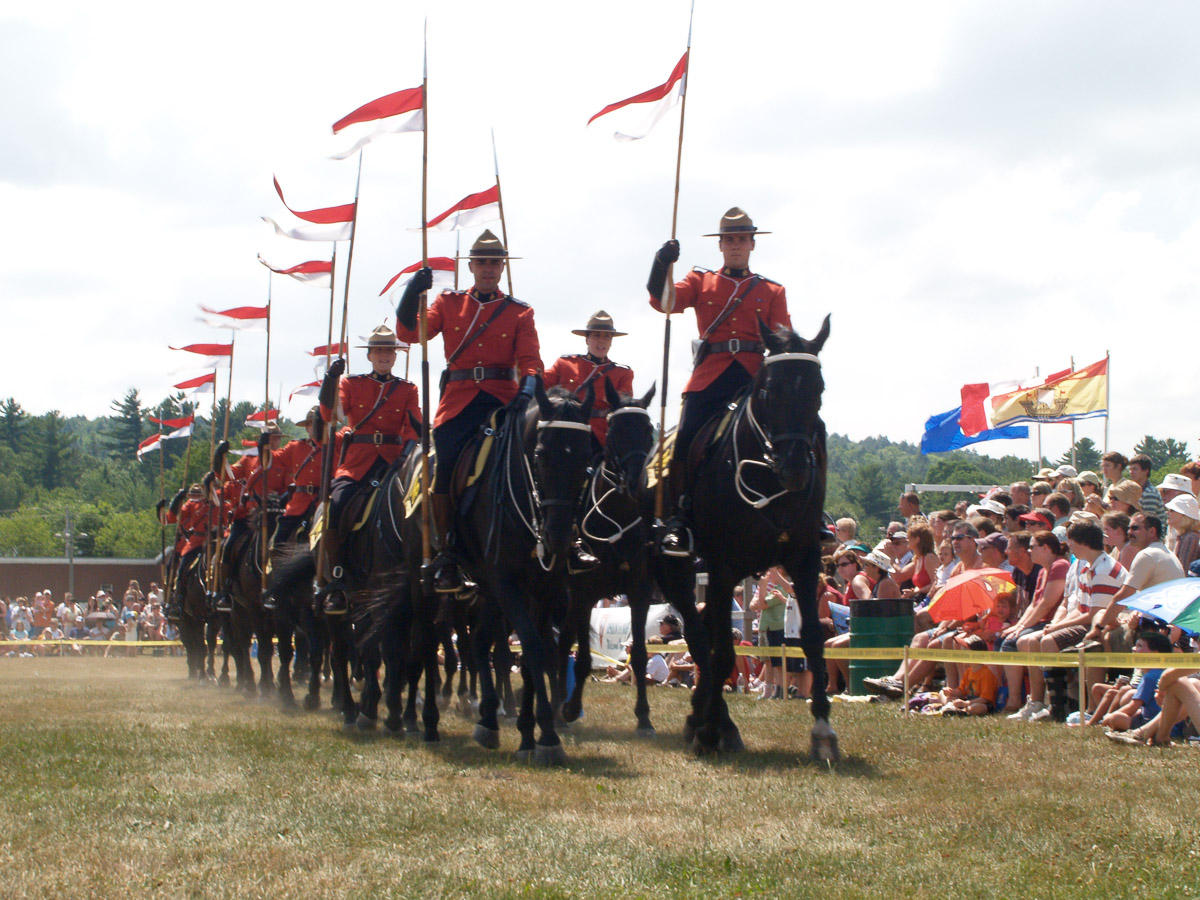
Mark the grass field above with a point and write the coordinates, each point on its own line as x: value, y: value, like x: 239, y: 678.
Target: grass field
x: 119, y: 779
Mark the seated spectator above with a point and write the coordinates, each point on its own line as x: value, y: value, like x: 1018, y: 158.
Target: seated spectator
x: 946, y: 563
x: 1173, y: 485
x: 1070, y: 488
x: 1038, y: 494
x: 940, y: 522
x: 1020, y: 493
x: 1183, y: 516
x: 1012, y: 517
x: 1112, y: 467
x: 1125, y: 704
x: 681, y: 670
x: 1116, y: 538
x: 1126, y: 497
x: 656, y: 666
x: 874, y: 582
x: 993, y: 551
x: 921, y: 570
x: 1025, y: 634
x: 845, y: 531
x: 1150, y: 502
x: 745, y: 668
x: 1153, y: 564
x: 1192, y: 473
x: 963, y: 537
x: 976, y: 691
x: 1060, y: 507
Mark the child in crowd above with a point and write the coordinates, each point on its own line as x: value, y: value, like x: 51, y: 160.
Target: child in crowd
x: 976, y: 691
x: 1130, y: 703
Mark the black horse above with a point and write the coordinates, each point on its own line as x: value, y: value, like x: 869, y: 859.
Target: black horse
x: 249, y: 619
x: 616, y: 528
x: 514, y: 536
x: 758, y: 485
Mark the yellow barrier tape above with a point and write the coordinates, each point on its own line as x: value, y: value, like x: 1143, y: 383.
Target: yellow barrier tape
x: 68, y: 642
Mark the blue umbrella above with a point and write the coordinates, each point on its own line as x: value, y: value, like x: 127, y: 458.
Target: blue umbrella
x: 1167, y: 601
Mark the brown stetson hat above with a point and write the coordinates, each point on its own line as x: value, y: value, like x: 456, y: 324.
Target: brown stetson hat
x: 313, y: 415
x: 735, y: 221
x: 382, y: 337
x: 601, y: 323
x: 488, y: 246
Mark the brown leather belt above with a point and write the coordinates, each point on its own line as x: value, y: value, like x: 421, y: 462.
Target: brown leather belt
x: 376, y: 438
x: 735, y: 346
x: 307, y: 489
x: 483, y: 373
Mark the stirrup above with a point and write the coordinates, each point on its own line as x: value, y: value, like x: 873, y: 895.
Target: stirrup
x: 447, y: 576
x: 268, y: 602
x: 334, y: 603
x: 580, y: 560
x: 223, y: 602
x: 677, y: 541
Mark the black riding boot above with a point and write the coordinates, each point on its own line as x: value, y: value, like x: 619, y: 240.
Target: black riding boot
x: 676, y: 539
x: 447, y: 577
x: 331, y: 596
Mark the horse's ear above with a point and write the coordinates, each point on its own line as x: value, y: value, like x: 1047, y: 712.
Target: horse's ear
x: 769, y: 338
x: 822, y: 335
x: 611, y: 394
x: 589, y: 399
x: 545, y: 407
x: 644, y: 403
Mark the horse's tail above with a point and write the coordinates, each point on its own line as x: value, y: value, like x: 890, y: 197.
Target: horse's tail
x: 376, y: 612
x: 292, y: 571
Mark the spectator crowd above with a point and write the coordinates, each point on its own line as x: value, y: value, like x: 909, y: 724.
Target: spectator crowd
x: 39, y: 622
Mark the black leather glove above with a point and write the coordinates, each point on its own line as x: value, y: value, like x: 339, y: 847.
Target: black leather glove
x: 329, y: 384
x: 218, y: 457
x: 667, y: 254
x: 528, y: 386
x: 263, y: 440
x: 406, y: 312
x: 177, y: 501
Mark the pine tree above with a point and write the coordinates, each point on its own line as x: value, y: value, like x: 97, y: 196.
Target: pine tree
x: 124, y: 431
x: 54, y: 447
x: 14, y: 422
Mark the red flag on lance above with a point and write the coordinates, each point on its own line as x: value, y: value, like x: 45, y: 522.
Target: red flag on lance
x: 644, y: 110
x: 150, y: 443
x: 330, y: 350
x: 473, y: 209
x: 316, y: 272
x: 249, y: 448
x: 202, y: 384
x: 241, y: 318
x: 262, y: 417
x: 330, y: 223
x: 443, y: 274
x: 311, y: 389
x: 173, y: 423
x: 390, y: 114
x: 216, y: 354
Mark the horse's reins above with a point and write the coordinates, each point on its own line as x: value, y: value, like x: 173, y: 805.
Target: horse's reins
x: 767, y: 441
x: 596, y: 502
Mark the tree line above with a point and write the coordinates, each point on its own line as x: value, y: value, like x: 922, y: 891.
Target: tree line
x: 51, y: 464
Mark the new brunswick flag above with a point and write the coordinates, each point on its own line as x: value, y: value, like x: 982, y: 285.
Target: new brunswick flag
x: 1081, y: 394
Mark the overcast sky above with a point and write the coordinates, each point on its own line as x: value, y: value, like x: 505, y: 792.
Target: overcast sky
x: 973, y: 190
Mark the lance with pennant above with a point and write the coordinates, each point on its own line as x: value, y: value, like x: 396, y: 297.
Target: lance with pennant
x: 264, y: 454
x: 500, y: 205
x: 668, y: 292
x: 422, y: 324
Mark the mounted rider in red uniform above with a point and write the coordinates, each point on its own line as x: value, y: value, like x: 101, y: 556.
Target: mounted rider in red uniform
x: 575, y: 371
x: 384, y: 415
x: 493, y: 359
x: 729, y: 305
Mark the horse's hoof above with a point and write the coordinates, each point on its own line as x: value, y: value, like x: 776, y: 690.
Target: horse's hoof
x: 524, y: 754
x: 365, y: 722
x: 312, y: 702
x: 488, y: 738
x: 824, y: 743
x: 431, y: 736
x: 731, y: 742
x: 689, y: 730
x: 393, y: 728
x: 646, y: 731
x: 411, y: 726
x: 549, y: 756
x: 443, y: 702
x: 349, y: 726
x: 571, y: 711
x: 702, y: 748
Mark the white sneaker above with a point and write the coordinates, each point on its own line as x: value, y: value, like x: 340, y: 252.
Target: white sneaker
x: 1024, y: 712
x: 1041, y: 715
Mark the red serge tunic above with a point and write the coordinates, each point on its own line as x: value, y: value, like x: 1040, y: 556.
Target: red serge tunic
x: 511, y: 341
x: 708, y: 293
x: 359, y: 394
x: 573, y: 370
x: 300, y: 461
x: 193, y: 520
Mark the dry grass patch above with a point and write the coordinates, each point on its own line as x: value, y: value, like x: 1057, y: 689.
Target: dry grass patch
x: 121, y: 779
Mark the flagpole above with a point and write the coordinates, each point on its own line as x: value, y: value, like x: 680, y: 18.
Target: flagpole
x: 265, y: 460
x: 1073, y: 463
x: 1107, y: 381
x: 668, y: 291
x: 1037, y: 374
x: 187, y: 453
x: 162, y: 496
x: 229, y: 393
x: 328, y: 430
x: 350, y: 259
x: 422, y: 320
x: 500, y: 203
x: 332, y: 300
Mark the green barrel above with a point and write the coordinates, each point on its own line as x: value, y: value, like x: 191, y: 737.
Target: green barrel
x: 877, y: 623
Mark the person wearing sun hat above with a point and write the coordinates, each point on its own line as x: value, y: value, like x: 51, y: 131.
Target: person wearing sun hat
x: 493, y: 359
x: 574, y: 371
x: 730, y: 304
x: 382, y: 412
x: 1183, y: 515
